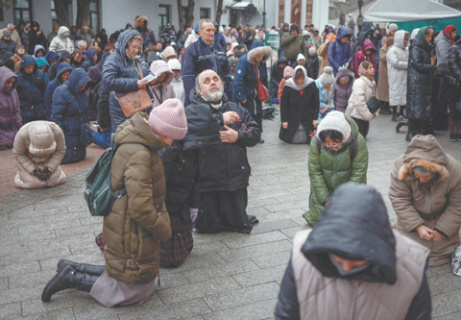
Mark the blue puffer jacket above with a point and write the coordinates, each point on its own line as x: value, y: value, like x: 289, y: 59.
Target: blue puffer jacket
x: 326, y: 97
x: 246, y: 81
x: 338, y: 53
x: 31, y: 91
x: 120, y: 74
x: 69, y: 111
x: 62, y: 67
x: 199, y: 57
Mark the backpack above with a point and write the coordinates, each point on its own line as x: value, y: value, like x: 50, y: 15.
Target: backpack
x: 354, y: 146
x: 98, y: 193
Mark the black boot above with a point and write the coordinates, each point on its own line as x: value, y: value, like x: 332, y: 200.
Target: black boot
x: 66, y: 279
x: 411, y: 128
x: 81, y: 267
x: 395, y: 115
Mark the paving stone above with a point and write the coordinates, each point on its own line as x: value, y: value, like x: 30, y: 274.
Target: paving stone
x: 10, y: 311
x: 19, y: 269
x: 260, y: 310
x: 4, y: 284
x: 261, y: 276
x: 444, y: 283
x: 263, y: 227
x: 240, y: 297
x: 257, y: 250
x: 290, y: 233
x: 446, y: 303
x: 274, y: 259
x: 180, y: 310
x: 220, y: 271
x: 197, y: 261
x: 251, y: 240
x: 197, y: 290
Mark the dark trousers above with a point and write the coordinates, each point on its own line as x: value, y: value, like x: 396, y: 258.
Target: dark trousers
x: 363, y: 125
x: 259, y: 120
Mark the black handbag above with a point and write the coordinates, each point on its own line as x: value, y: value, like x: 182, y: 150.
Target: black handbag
x: 373, y: 104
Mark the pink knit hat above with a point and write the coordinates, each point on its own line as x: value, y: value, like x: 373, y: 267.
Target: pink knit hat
x: 169, y: 119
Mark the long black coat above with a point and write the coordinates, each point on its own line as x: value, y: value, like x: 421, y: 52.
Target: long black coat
x: 454, y: 65
x: 420, y: 78
x: 222, y: 166
x: 298, y: 108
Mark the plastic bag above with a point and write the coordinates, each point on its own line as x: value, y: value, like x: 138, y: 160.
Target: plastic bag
x: 456, y: 261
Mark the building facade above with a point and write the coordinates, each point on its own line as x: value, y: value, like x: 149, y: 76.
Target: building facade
x: 115, y: 14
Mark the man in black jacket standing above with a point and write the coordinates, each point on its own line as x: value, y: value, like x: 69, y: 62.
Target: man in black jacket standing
x: 222, y: 130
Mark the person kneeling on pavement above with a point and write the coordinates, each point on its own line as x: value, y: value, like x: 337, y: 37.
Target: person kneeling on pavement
x: 222, y: 130
x: 337, y: 154
x: 352, y: 265
x: 38, y: 148
x: 425, y: 193
x: 138, y: 220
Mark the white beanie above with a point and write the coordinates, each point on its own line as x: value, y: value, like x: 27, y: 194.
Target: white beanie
x: 393, y: 27
x: 334, y: 120
x: 327, y: 76
x: 312, y: 51
x: 174, y: 64
x: 300, y: 57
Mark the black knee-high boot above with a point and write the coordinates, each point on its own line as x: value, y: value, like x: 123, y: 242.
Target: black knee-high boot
x: 66, y: 279
x: 81, y: 267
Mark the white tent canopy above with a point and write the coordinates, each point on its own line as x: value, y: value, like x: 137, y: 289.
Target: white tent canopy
x: 409, y: 10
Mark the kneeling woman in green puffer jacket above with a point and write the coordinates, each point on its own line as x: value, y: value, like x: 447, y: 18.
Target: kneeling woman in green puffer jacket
x: 337, y: 154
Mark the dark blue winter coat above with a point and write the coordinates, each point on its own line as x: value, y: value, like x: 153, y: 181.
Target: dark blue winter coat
x: 62, y: 67
x: 338, y: 53
x: 199, y: 57
x: 121, y: 74
x: 31, y: 91
x: 246, y: 81
x: 70, y: 112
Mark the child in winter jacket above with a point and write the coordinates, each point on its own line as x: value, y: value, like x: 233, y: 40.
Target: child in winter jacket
x: 342, y: 89
x: 162, y: 89
x: 313, y: 63
x: 324, y: 84
x: 176, y: 83
x: 366, y: 54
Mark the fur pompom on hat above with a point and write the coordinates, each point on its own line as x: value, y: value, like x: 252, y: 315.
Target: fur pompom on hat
x: 169, y: 119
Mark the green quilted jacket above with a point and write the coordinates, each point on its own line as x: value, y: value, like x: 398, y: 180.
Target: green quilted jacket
x: 329, y: 169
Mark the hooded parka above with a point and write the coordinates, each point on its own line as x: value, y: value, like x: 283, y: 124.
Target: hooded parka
x: 35, y: 38
x: 10, y: 113
x: 437, y: 209
x: 299, y: 105
x: 59, y: 43
x: 339, y: 53
x: 341, y: 93
x: 397, y: 68
x: 31, y: 91
x: 49, y: 143
x: 362, y: 90
x: 70, y: 112
x: 139, y: 219
x: 329, y: 169
x: 120, y: 75
x: 63, y: 67
x: 362, y: 56
x: 355, y: 226
x: 245, y: 78
x: 454, y: 65
x: 419, y: 79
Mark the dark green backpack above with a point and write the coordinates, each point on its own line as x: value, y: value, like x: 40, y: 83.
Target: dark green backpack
x: 98, y: 193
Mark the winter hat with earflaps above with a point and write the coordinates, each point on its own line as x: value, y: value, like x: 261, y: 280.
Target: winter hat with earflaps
x: 42, y: 140
x: 169, y: 119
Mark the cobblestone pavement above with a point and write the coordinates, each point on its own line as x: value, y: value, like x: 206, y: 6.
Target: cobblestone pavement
x: 227, y: 276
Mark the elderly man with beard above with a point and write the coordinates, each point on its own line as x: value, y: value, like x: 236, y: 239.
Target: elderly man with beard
x: 425, y: 192
x: 221, y: 131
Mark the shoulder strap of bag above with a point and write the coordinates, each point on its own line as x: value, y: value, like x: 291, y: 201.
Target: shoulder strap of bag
x: 139, y: 67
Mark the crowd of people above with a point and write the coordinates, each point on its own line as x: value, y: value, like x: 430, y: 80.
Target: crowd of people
x: 184, y: 108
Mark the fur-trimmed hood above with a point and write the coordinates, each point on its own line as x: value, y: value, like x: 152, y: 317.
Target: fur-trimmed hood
x: 141, y: 22
x: 425, y: 151
x: 257, y: 49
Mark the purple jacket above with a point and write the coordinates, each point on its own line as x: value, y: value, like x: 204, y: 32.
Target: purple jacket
x: 10, y: 114
x: 341, y: 93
